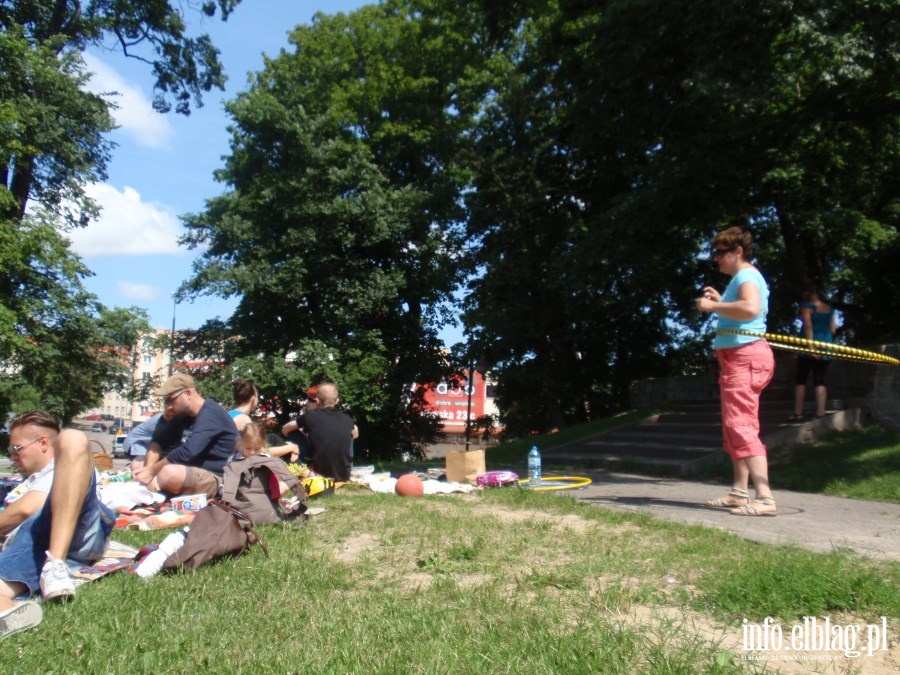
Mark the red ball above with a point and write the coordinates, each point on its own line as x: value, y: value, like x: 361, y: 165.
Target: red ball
x: 409, y: 485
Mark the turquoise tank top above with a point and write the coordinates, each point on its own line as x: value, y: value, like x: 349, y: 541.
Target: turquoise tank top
x: 757, y: 324
x: 821, y: 325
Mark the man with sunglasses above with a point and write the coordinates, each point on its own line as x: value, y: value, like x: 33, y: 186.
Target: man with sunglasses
x: 31, y: 451
x: 202, y: 436
x: 73, y: 524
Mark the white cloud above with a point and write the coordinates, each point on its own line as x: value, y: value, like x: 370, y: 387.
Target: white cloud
x: 127, y: 225
x: 139, y: 292
x: 135, y: 114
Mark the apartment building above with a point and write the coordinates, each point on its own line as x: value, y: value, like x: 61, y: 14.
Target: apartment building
x: 150, y: 362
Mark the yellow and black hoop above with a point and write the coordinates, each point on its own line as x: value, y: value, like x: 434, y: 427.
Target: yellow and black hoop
x: 806, y: 346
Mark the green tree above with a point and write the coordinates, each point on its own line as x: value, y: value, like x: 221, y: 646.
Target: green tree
x: 342, y: 222
x: 53, y: 335
x: 61, y: 348
x: 620, y: 135
x: 829, y: 190
x: 52, y: 131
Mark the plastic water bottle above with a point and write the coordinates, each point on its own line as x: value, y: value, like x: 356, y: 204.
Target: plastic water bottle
x: 153, y: 563
x: 534, y: 467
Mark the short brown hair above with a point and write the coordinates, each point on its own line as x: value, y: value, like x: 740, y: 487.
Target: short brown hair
x: 734, y: 237
x: 37, y: 418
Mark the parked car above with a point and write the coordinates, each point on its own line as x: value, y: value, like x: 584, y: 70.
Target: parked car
x: 118, y: 447
x: 107, y: 417
x: 94, y: 417
x: 125, y: 428
x: 98, y: 426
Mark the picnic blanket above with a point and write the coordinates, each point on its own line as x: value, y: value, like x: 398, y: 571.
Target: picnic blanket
x: 154, y: 517
x: 139, y: 508
x: 128, y: 495
x: 430, y: 486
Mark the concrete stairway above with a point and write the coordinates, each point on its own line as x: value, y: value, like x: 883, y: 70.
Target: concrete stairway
x: 683, y: 439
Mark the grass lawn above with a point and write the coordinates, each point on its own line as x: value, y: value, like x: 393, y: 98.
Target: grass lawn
x: 502, y: 580
x: 862, y: 464
x: 497, y: 581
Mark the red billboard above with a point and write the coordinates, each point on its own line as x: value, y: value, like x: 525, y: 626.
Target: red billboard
x: 450, y: 401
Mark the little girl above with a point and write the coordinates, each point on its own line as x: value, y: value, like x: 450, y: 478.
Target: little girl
x: 252, y: 441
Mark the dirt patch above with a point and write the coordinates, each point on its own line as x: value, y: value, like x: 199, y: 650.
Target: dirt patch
x: 564, y: 522
x: 354, y: 547
x: 417, y: 581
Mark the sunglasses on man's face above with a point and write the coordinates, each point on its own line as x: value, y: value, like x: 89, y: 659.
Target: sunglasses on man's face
x: 14, y: 450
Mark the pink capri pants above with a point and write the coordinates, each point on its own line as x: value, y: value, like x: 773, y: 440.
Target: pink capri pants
x: 743, y: 373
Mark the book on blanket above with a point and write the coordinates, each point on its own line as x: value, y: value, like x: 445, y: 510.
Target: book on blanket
x: 117, y: 556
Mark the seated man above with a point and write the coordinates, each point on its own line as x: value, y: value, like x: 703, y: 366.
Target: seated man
x: 331, y: 433
x: 204, y: 439
x: 138, y: 439
x: 32, y: 453
x: 72, y: 524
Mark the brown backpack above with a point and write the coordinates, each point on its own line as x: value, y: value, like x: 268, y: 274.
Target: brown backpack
x: 251, y: 485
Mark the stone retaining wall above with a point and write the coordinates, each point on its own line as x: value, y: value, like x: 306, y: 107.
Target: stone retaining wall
x: 871, y: 387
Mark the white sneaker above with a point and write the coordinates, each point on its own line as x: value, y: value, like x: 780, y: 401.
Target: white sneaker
x: 55, y: 580
x: 23, y: 616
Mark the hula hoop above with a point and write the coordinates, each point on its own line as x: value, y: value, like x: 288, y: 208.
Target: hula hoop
x: 829, y: 349
x: 551, y: 483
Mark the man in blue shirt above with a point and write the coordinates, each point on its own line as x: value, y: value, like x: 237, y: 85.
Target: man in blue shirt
x: 202, y: 436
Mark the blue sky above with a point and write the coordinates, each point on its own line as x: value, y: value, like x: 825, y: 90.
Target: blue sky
x: 163, y: 165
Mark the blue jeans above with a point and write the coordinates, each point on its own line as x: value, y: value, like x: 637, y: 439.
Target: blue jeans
x: 23, y: 558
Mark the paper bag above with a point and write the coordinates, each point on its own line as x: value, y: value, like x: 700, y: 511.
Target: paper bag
x: 464, y: 467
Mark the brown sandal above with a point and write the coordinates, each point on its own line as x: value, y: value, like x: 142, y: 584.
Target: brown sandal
x: 736, y: 497
x: 759, y: 507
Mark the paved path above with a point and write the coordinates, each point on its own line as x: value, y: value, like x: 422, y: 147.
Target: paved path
x: 811, y: 521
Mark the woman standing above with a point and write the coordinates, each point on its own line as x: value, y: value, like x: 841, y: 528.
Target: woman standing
x: 819, y: 324
x: 746, y: 366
